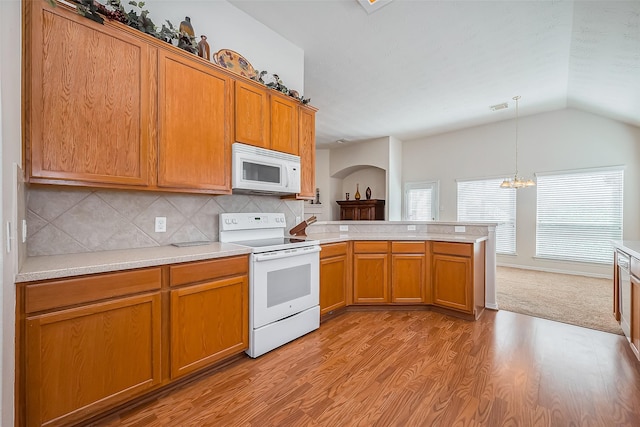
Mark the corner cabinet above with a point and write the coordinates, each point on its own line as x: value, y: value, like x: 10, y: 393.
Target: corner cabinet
x: 89, y: 108
x: 195, y: 116
x: 459, y: 276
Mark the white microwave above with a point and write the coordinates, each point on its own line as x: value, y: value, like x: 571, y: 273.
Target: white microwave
x: 261, y: 171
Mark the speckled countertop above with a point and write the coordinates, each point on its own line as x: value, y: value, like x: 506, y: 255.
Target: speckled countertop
x: 631, y: 247
x: 58, y: 266
x: 341, y: 237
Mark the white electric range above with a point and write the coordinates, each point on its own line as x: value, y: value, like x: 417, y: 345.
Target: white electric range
x: 284, y: 276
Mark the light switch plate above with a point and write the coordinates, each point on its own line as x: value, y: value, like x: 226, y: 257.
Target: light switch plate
x: 344, y: 228
x: 460, y: 229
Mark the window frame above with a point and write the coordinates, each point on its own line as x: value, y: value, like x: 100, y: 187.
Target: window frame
x: 417, y: 185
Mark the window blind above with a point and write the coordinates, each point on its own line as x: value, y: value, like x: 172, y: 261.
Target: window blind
x: 578, y: 214
x: 484, y: 201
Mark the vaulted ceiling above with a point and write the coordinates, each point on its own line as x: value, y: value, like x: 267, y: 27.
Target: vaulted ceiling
x: 415, y: 68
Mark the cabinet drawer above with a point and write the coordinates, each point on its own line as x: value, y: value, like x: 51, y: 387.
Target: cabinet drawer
x: 66, y: 292
x: 635, y: 267
x: 407, y: 247
x: 333, y: 249
x: 460, y: 249
x: 373, y: 247
x: 193, y: 272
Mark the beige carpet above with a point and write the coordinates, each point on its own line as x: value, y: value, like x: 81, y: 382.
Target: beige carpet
x: 578, y: 300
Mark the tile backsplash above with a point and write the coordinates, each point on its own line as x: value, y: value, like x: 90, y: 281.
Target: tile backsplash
x: 66, y: 221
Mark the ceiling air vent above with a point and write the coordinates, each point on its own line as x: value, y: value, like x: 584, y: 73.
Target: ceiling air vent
x: 499, y: 106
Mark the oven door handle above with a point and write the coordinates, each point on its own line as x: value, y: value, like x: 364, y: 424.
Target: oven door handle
x: 287, y: 253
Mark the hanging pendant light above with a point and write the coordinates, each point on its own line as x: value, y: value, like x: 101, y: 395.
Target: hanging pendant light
x: 516, y: 181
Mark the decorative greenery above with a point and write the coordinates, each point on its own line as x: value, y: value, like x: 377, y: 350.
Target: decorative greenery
x: 280, y: 87
x: 137, y: 18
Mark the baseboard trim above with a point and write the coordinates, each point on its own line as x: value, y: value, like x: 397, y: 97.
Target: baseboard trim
x: 553, y: 270
x: 491, y: 306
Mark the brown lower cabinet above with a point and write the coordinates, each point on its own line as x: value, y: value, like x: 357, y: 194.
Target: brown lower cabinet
x: 449, y: 275
x: 334, y: 268
x: 390, y: 272
x: 88, y: 344
x: 458, y: 276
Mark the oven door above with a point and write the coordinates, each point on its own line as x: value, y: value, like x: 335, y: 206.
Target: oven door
x: 283, y: 283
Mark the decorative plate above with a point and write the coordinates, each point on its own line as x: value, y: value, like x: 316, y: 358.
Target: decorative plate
x: 234, y: 62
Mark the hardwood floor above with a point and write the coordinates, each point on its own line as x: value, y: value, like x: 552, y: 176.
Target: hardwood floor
x: 417, y: 368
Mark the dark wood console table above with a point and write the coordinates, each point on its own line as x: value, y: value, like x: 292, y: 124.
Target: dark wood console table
x: 363, y: 210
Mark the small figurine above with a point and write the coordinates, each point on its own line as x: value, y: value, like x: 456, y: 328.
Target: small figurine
x: 185, y: 27
x: 203, y: 48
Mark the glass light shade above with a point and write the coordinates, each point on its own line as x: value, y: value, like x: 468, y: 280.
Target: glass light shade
x: 517, y: 182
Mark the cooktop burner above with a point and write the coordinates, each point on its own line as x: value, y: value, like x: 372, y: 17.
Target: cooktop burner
x: 275, y: 244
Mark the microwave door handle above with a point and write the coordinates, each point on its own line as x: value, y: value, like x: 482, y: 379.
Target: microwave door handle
x: 286, y: 185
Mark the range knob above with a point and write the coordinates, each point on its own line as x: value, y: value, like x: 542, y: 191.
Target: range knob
x: 234, y: 221
x: 227, y: 221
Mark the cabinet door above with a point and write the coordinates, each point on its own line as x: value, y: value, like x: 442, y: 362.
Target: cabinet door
x: 83, y: 360
x: 635, y: 316
x: 367, y: 213
x: 88, y: 101
x: 195, y: 118
x: 284, y: 124
x: 452, y: 282
x: 252, y: 114
x: 209, y: 322
x: 349, y: 213
x: 370, y: 278
x: 333, y: 283
x: 407, y: 278
x: 307, y: 151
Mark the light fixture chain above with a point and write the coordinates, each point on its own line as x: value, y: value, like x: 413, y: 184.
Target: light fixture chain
x: 516, y: 98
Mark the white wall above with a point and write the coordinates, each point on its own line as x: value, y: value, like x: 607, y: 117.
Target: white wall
x: 372, y: 177
x: 394, y: 183
x: 384, y: 153
x: 556, y: 141
x: 227, y: 27
x: 10, y: 137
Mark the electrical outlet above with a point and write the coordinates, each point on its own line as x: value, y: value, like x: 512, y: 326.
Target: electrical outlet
x: 411, y: 228
x: 298, y: 220
x: 161, y: 224
x: 459, y: 229
x: 344, y: 228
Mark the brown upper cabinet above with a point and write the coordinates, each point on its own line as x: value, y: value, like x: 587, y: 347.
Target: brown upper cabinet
x: 252, y: 114
x: 129, y: 111
x: 265, y: 118
x: 194, y: 116
x: 284, y: 124
x: 88, y: 107
x: 307, y: 152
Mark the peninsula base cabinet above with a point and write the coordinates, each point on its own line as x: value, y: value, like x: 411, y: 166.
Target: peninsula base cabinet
x: 89, y: 344
x: 371, y: 272
x: 458, y: 276
x: 390, y: 272
x: 334, y: 268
